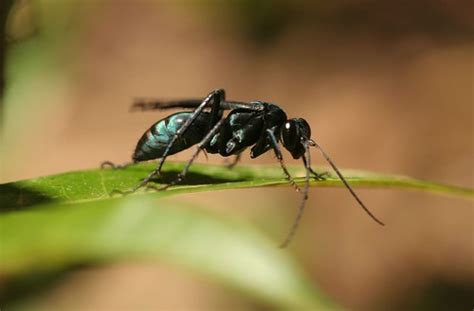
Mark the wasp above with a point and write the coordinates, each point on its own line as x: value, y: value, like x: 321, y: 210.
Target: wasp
x: 257, y: 125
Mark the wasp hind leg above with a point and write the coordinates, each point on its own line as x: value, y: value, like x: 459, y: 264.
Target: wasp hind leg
x: 114, y: 166
x: 201, y: 147
x: 214, y: 99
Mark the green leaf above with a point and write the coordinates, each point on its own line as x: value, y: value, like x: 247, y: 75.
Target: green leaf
x: 56, y: 222
x: 98, y: 184
x: 142, y: 228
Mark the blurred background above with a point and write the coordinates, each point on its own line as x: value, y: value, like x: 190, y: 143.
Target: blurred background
x: 386, y: 87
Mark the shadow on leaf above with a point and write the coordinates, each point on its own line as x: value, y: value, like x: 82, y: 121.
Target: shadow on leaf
x: 14, y: 198
x: 194, y: 178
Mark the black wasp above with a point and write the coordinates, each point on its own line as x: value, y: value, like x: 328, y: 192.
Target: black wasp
x: 259, y: 125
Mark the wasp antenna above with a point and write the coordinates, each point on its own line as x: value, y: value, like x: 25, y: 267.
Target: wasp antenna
x: 299, y: 215
x: 326, y: 156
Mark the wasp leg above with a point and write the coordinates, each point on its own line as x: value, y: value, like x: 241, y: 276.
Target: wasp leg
x: 216, y: 97
x: 114, y: 166
x: 279, y: 156
x: 200, y: 148
x: 299, y: 215
x: 317, y: 176
x: 234, y: 162
x: 119, y: 193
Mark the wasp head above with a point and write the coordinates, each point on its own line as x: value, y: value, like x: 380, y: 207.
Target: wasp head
x: 295, y: 133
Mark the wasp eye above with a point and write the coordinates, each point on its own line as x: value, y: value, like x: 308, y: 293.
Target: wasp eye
x: 292, y: 134
x: 289, y: 134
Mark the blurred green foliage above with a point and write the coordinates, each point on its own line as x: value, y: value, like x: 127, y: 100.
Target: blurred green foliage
x: 142, y: 229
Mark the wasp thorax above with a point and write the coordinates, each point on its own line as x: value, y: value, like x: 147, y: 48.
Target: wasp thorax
x: 293, y: 133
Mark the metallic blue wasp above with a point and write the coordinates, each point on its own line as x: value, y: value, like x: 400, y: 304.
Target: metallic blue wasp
x: 258, y: 125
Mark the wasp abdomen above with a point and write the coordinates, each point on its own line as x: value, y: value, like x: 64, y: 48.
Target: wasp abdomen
x: 154, y: 141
